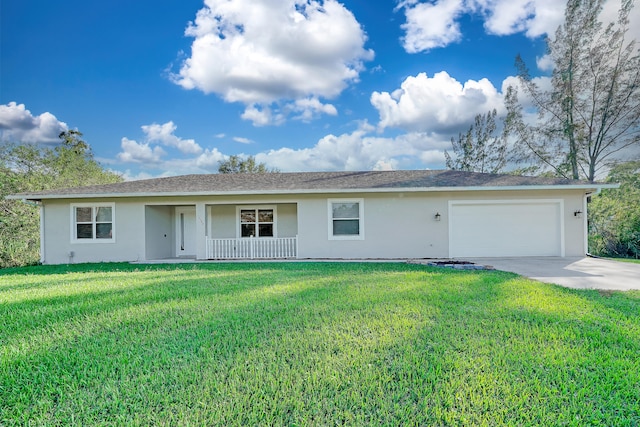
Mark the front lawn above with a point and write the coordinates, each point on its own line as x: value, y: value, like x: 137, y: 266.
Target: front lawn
x: 631, y: 260
x: 312, y: 344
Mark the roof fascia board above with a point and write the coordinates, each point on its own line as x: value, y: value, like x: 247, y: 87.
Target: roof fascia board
x: 587, y: 187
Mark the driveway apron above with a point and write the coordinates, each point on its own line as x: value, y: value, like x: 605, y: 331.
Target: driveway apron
x: 571, y: 272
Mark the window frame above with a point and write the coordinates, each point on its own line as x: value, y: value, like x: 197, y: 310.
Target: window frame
x: 331, y: 219
x: 94, y: 223
x: 256, y: 208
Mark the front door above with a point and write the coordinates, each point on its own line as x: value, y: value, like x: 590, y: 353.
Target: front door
x: 186, y: 231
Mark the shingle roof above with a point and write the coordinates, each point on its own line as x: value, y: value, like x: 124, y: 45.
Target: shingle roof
x: 307, y: 182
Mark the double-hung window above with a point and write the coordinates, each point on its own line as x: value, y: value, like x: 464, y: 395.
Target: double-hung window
x: 346, y: 219
x: 93, y: 223
x: 257, y: 222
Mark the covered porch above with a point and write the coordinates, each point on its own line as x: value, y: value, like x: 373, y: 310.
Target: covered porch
x: 222, y: 231
x: 252, y: 248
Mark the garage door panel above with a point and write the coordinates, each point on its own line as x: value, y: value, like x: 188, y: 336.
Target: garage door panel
x: 505, y: 229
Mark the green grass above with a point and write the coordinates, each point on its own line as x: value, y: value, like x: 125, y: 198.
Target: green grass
x: 631, y: 260
x: 312, y: 344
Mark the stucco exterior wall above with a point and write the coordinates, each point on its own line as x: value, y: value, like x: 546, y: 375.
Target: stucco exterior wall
x: 128, y: 245
x: 396, y: 225
x: 403, y: 225
x: 287, y: 220
x: 223, y: 219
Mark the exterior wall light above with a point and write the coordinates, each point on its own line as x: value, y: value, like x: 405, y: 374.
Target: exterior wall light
x: 578, y: 214
x: 437, y: 216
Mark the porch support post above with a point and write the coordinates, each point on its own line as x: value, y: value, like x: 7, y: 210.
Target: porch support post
x: 201, y: 231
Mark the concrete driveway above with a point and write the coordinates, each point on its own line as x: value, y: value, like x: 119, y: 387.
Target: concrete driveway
x: 577, y: 273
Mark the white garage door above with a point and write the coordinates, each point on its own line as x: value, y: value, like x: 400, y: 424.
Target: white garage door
x: 499, y: 229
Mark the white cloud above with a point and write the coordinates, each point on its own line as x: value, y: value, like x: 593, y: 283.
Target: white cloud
x: 132, y: 152
x: 533, y: 17
x: 610, y: 14
x: 164, y: 134
x: 148, y: 152
x: 359, y: 151
x: 436, y: 104
x: 260, y: 52
x: 242, y: 140
x: 206, y: 162
x: 435, y: 156
x: 544, y: 63
x: 17, y: 124
x: 304, y: 109
x: 431, y: 25
x: 544, y: 83
x: 309, y: 108
x: 385, y: 165
x: 128, y: 175
x: 209, y: 160
x: 261, y: 116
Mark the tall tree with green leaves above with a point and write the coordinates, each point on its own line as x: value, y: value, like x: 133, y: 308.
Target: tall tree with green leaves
x: 28, y: 168
x: 481, y: 149
x: 236, y: 164
x: 614, y: 215
x: 591, y: 112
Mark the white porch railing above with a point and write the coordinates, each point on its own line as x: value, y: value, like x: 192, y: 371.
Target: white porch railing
x: 253, y: 248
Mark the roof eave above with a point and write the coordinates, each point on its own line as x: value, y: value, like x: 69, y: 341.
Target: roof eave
x: 585, y: 187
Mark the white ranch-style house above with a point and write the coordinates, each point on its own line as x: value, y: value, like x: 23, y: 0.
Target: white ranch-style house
x: 316, y: 215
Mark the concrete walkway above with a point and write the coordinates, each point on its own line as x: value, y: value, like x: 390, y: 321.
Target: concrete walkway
x: 577, y: 273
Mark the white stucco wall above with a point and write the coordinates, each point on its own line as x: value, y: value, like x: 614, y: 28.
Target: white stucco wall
x: 223, y: 219
x: 128, y: 245
x: 396, y: 225
x: 402, y: 225
x: 287, y: 220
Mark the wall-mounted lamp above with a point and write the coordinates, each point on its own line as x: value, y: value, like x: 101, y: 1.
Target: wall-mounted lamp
x: 437, y: 216
x: 578, y: 214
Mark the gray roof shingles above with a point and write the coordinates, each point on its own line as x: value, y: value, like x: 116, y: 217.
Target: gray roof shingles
x: 308, y: 182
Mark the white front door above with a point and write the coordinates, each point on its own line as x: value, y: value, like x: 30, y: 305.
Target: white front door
x: 186, y: 231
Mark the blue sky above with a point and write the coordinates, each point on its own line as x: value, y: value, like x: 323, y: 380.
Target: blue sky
x: 167, y: 88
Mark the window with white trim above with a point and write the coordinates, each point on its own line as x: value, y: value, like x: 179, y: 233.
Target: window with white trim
x: 257, y: 222
x: 92, y: 222
x: 345, y: 219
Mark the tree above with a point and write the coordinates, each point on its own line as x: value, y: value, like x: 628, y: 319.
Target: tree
x: 590, y: 114
x: 614, y: 215
x: 29, y: 168
x: 236, y: 164
x: 480, y: 149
